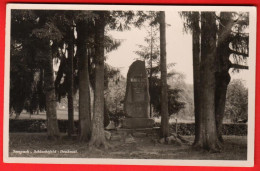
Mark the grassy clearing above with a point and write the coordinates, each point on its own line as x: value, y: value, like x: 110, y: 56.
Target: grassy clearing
x: 235, y: 148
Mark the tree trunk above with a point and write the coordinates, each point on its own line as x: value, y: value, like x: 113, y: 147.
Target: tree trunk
x: 84, y: 92
x: 41, y: 94
x: 208, y: 133
x: 71, y: 79
x: 151, y: 73
x: 50, y: 97
x: 196, y: 72
x: 222, y: 81
x: 163, y: 65
x: 98, y: 132
x: 223, y: 66
x: 59, y: 76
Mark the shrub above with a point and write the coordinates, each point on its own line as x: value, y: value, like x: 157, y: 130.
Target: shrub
x: 189, y: 128
x: 29, y: 125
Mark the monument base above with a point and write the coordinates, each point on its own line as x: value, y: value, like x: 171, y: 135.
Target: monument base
x: 132, y: 123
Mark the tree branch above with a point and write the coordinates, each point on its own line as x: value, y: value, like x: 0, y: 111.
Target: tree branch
x: 239, y: 33
x: 238, y: 53
x: 237, y: 66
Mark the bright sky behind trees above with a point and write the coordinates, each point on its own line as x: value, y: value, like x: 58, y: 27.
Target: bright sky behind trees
x: 179, y: 48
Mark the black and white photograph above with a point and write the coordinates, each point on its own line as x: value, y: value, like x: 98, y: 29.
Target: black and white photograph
x: 130, y: 84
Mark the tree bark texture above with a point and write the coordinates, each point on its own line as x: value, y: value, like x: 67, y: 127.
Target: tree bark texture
x: 84, y: 91
x: 98, y: 132
x: 50, y: 97
x: 70, y: 76
x: 208, y: 133
x: 151, y: 73
x: 163, y: 65
x: 223, y: 66
x: 196, y: 72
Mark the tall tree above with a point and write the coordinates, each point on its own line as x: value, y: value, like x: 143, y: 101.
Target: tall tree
x: 223, y: 66
x: 65, y: 21
x: 22, y: 60
x: 151, y: 66
x: 231, y: 40
x: 163, y: 65
x: 48, y: 34
x: 84, y: 83
x: 36, y: 40
x: 192, y: 24
x: 208, y: 133
x: 113, y: 20
x: 151, y: 53
x: 98, y: 132
x: 85, y: 46
x: 52, y: 123
x: 64, y: 82
x: 71, y: 80
x: 196, y: 71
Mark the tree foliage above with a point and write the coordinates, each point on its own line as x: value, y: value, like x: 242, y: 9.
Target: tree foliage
x: 30, y: 29
x: 237, y: 101
x: 174, y: 94
x: 150, y: 53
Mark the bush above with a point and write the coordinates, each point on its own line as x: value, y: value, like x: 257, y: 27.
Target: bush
x: 37, y: 126
x: 40, y: 125
x: 189, y: 128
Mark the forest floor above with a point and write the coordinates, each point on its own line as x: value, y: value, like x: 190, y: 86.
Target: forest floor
x: 145, y: 147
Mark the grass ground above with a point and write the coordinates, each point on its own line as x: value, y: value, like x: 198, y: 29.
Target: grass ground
x: 61, y: 114
x: 235, y: 148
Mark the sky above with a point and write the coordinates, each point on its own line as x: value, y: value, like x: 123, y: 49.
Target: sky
x: 178, y: 48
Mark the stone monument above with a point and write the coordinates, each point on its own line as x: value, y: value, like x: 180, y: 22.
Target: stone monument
x: 136, y: 103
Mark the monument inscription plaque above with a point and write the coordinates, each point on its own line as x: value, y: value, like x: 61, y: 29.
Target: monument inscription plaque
x: 136, y: 104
